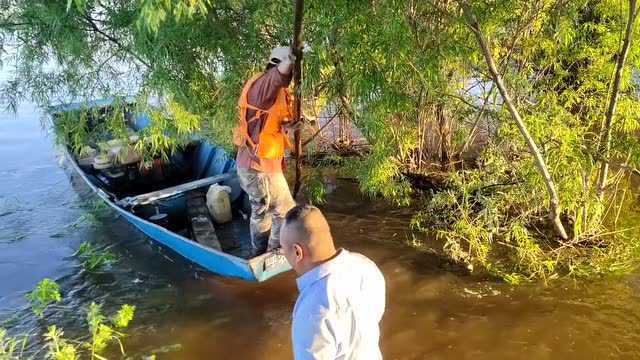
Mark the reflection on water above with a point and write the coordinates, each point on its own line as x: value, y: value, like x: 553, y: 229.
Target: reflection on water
x: 434, y: 310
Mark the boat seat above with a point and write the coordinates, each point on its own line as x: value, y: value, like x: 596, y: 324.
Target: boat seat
x: 153, y: 196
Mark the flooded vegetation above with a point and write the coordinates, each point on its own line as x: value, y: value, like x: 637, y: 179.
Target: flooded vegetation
x: 520, y: 110
x: 435, y: 308
x: 484, y: 154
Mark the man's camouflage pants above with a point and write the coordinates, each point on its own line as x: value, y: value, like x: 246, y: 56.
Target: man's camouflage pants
x: 270, y: 200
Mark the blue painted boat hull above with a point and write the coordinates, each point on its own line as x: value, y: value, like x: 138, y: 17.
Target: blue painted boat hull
x: 259, y: 268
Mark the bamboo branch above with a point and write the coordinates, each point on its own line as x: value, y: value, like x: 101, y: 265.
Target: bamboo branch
x: 554, y: 214
x: 476, y: 122
x: 631, y: 169
x: 469, y: 104
x: 13, y: 24
x: 310, y: 139
x: 605, y: 137
x: 112, y: 39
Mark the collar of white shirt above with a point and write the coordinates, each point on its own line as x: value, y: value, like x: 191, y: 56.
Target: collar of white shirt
x: 321, y: 271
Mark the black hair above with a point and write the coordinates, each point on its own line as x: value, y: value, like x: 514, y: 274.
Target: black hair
x: 298, y: 212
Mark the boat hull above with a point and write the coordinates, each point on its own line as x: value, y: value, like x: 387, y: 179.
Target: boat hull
x: 258, y: 269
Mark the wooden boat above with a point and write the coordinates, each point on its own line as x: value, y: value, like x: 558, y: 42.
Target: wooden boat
x: 161, y: 209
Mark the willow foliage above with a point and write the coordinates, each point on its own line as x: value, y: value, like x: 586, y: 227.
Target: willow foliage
x: 408, y: 73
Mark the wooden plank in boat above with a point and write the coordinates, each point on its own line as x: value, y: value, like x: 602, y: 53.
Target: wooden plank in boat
x: 171, y: 191
x: 201, y: 226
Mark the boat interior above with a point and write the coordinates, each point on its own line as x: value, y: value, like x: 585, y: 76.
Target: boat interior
x: 172, y: 192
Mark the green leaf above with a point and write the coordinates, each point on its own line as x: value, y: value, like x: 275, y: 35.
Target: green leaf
x: 46, y: 292
x: 124, y: 316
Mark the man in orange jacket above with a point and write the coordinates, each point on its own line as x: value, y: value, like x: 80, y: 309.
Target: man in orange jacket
x: 265, y: 110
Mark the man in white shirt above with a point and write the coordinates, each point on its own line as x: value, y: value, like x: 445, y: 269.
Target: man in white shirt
x: 342, y: 294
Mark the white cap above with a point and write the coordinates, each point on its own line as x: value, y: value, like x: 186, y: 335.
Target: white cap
x: 279, y: 55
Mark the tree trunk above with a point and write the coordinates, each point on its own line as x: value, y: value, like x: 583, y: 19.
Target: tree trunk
x: 297, y: 91
x: 554, y: 213
x: 347, y: 115
x: 605, y: 136
x: 444, y: 132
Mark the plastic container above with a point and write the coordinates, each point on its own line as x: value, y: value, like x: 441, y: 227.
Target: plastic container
x: 219, y: 204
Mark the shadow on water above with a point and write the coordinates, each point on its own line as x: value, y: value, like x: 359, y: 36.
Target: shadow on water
x: 434, y: 310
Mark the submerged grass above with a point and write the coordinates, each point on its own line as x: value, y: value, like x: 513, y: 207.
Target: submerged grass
x: 102, y: 331
x: 497, y: 224
x: 94, y: 259
x: 12, y: 347
x: 46, y: 292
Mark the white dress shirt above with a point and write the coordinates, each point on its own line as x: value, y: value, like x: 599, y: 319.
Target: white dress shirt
x: 339, y: 308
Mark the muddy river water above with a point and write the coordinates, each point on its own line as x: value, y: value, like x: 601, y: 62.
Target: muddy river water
x: 434, y: 311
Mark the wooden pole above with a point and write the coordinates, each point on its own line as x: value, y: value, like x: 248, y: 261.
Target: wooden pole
x: 296, y: 48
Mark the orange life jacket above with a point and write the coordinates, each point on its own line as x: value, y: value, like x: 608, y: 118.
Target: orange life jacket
x: 272, y: 140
